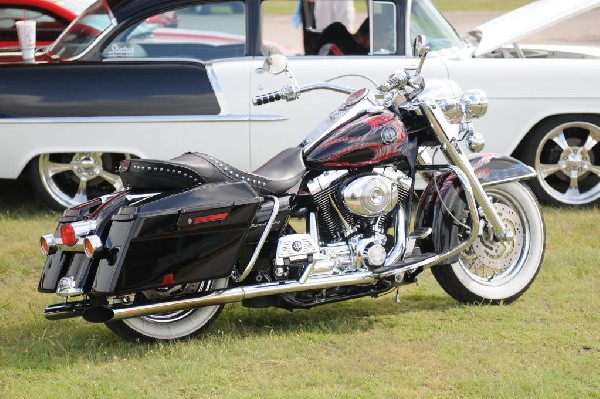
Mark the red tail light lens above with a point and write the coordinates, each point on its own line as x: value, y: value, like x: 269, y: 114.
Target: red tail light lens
x: 67, y: 233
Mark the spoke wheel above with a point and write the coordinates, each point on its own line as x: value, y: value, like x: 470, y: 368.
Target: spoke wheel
x: 565, y: 152
x: 171, y: 325
x: 64, y: 180
x: 493, y: 271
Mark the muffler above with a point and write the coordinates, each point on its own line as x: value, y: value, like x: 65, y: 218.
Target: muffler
x: 102, y: 314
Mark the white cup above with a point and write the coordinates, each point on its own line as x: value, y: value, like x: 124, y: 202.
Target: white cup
x: 26, y: 33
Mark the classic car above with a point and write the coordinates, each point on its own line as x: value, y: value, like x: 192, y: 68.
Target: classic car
x: 114, y: 86
x: 51, y: 16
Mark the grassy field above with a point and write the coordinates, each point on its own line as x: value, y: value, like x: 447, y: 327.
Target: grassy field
x: 545, y: 345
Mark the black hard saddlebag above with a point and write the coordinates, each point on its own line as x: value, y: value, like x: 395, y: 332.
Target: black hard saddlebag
x: 176, y: 237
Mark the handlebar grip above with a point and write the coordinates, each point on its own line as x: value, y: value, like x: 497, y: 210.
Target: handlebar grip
x: 267, y: 98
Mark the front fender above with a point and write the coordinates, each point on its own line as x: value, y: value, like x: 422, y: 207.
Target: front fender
x: 446, y: 194
x: 495, y: 169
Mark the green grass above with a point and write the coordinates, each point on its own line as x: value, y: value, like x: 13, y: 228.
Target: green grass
x: 289, y: 6
x: 545, y: 345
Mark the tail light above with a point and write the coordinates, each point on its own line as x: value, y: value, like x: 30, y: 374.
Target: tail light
x: 71, y: 238
x: 67, y: 234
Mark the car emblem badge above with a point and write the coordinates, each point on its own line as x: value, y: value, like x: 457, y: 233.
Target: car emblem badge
x: 389, y: 135
x: 297, y: 246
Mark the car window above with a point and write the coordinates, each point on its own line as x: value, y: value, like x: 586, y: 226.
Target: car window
x: 82, y: 32
x: 426, y: 20
x: 329, y: 27
x: 48, y: 26
x: 203, y: 32
x: 384, y: 36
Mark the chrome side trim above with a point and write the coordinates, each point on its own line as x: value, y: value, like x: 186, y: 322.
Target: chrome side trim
x: 214, y: 82
x: 143, y: 119
x: 261, y: 242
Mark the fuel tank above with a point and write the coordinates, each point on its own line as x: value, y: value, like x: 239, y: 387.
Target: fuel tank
x: 368, y: 140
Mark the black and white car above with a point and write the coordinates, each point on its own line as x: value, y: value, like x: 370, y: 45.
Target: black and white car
x: 115, y: 86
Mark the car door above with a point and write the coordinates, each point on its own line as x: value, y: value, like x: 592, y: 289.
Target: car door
x: 213, y: 38
x: 279, y: 125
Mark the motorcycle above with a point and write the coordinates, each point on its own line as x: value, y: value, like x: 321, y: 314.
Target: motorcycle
x: 329, y: 220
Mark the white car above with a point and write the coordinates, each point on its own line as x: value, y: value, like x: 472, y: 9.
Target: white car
x: 126, y: 91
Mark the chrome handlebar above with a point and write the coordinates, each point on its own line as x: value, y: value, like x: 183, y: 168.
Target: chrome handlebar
x: 291, y: 93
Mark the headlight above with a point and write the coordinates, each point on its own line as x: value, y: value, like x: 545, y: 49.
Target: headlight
x: 474, y: 104
x: 446, y: 94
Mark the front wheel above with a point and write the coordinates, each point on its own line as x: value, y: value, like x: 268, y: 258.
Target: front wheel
x: 500, y: 272
x: 172, y: 325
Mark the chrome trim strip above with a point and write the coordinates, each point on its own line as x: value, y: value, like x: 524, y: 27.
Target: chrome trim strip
x: 142, y: 119
x: 218, y: 91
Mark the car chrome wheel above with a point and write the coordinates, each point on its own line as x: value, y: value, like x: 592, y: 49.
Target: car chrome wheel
x: 68, y: 179
x: 567, y: 160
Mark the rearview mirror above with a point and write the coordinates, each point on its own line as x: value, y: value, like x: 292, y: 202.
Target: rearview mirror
x: 420, y: 46
x: 275, y: 64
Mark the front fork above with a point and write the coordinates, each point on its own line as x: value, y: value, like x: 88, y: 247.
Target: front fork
x: 455, y: 155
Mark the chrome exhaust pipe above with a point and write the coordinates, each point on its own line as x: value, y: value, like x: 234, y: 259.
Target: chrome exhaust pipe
x: 102, y: 314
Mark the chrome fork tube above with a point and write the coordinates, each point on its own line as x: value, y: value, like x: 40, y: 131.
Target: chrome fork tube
x: 455, y: 155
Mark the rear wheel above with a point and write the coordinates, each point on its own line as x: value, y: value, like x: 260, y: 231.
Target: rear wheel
x: 63, y: 180
x: 500, y: 272
x: 172, y: 325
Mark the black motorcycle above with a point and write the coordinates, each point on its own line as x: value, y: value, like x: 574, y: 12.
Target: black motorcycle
x: 327, y: 221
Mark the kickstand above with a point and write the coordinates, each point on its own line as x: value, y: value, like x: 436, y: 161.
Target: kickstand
x: 398, y: 295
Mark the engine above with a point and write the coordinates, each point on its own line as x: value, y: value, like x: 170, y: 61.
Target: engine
x: 353, y: 214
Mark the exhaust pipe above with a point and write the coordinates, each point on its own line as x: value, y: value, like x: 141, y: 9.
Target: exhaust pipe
x: 102, y: 314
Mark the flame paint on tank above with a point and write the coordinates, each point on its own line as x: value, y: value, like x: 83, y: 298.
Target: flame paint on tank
x: 366, y: 141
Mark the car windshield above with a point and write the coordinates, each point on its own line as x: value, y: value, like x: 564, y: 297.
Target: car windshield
x: 75, y: 6
x: 425, y: 19
x: 82, y: 32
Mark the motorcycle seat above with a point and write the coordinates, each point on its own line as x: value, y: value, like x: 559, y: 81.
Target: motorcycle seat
x: 279, y: 174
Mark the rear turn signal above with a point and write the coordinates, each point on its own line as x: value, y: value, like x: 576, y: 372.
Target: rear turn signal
x: 47, y: 244
x: 92, y: 245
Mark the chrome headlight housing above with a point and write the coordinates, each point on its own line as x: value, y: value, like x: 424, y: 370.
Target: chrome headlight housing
x: 474, y: 104
x: 457, y: 106
x: 446, y: 94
